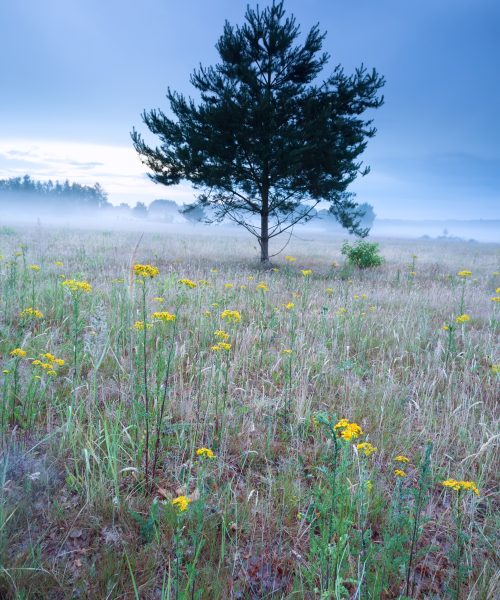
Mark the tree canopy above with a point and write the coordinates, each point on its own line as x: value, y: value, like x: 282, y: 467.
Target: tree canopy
x: 51, y: 195
x: 267, y: 137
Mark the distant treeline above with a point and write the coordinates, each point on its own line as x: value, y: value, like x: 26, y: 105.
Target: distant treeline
x: 26, y: 192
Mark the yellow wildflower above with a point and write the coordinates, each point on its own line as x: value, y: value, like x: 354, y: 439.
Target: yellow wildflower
x: 402, y: 459
x: 495, y: 298
x: 348, y: 430
x: 464, y: 274
x: 31, y: 312
x: 139, y: 325
x: 221, y: 334
x: 399, y: 473
x: 289, y: 305
x: 181, y: 503
x: 462, y: 318
x: 458, y: 486
x: 445, y: 327
x: 369, y: 485
x: 495, y: 369
x: 221, y: 346
x: 205, y: 452
x: 329, y: 291
x: 366, y: 448
x: 231, y: 316
x: 18, y: 353
x: 75, y: 286
x: 262, y: 286
x: 289, y: 258
x: 229, y: 286
x: 146, y: 271
x: 187, y: 282
x: 163, y: 316
x: 286, y: 351
x: 159, y: 300
x: 59, y: 263
x: 34, y: 267
x: 306, y: 272
x: 206, y: 313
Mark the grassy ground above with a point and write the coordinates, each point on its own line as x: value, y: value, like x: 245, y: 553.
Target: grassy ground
x: 289, y: 507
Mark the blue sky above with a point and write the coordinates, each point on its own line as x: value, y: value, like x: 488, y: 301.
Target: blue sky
x: 76, y: 74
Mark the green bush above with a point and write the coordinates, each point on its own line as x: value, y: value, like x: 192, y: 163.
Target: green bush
x: 363, y: 254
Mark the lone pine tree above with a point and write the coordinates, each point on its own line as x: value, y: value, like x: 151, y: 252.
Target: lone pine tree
x: 267, y: 141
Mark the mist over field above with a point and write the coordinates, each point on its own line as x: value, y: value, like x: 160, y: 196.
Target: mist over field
x: 15, y: 212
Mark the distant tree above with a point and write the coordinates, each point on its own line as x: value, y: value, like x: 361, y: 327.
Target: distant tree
x: 265, y: 136
x: 194, y: 213
x: 367, y: 215
x: 162, y: 209
x: 140, y: 210
x: 47, y: 195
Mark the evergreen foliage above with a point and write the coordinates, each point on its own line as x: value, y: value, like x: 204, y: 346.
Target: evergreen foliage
x: 27, y: 192
x: 267, y: 136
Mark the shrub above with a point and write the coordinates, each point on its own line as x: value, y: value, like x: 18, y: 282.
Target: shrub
x: 363, y: 254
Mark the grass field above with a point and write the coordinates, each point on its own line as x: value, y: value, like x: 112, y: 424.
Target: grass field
x: 105, y: 406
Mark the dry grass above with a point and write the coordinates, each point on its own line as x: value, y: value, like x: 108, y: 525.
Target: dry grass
x: 384, y: 362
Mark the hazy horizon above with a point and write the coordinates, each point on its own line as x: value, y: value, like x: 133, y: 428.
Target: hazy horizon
x: 436, y: 152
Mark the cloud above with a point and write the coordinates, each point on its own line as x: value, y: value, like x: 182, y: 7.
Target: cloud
x: 117, y: 168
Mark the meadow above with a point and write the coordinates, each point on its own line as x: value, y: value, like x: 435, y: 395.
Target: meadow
x: 178, y: 421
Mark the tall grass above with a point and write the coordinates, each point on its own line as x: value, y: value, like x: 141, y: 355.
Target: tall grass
x: 94, y: 452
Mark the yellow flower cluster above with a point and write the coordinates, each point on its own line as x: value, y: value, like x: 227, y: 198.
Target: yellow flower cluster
x: 347, y: 430
x: 289, y: 305
x: 75, y: 286
x: 464, y: 274
x: 461, y: 485
x: 139, y: 325
x: 306, y: 272
x: 286, y: 351
x: 231, y: 316
x: 289, y: 258
x: 30, y: 312
x: 146, y: 271
x: 50, y: 365
x: 495, y: 369
x: 59, y: 263
x: 159, y: 300
x: 399, y: 473
x: 495, y: 298
x: 18, y: 353
x: 163, y: 316
x: 221, y: 335
x: 34, y: 267
x: 262, y: 286
x: 221, y: 346
x: 402, y: 459
x: 229, y: 286
x: 52, y: 359
x: 366, y: 448
x: 329, y: 291
x: 181, y: 503
x: 187, y: 282
x: 205, y: 452
x: 462, y: 318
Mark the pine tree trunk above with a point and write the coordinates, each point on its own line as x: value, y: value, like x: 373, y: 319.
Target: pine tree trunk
x: 264, y: 238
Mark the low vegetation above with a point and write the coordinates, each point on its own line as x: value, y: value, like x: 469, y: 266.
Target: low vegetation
x: 178, y: 422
